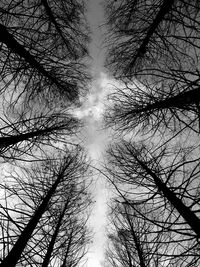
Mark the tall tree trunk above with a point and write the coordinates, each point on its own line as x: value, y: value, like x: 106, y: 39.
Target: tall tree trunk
x: 54, y: 236
x: 165, y: 8
x: 68, y: 248
x: 12, y: 140
x: 20, y: 50
x: 189, y: 216
x: 53, y: 20
x: 128, y: 254
x: 15, y: 253
x: 180, y: 101
x: 137, y: 243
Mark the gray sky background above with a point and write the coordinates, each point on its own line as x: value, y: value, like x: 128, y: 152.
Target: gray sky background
x: 94, y: 136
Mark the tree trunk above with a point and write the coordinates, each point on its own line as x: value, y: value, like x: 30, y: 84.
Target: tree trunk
x: 53, y: 239
x: 19, y: 49
x: 165, y: 8
x: 137, y: 244
x: 15, y: 253
x: 184, y: 211
x: 68, y: 248
x: 180, y: 101
x: 12, y: 140
x: 53, y: 20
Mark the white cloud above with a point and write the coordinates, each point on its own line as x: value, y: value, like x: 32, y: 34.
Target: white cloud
x: 95, y: 139
x: 93, y: 106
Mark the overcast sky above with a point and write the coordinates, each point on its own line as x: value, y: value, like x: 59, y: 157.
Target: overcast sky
x: 94, y: 136
x: 95, y: 140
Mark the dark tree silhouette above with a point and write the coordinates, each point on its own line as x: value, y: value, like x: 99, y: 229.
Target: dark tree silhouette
x: 48, y: 198
x: 126, y: 248
x: 157, y: 43
x: 43, y: 45
x: 136, y: 241
x: 152, y: 37
x: 35, y: 130
x: 150, y: 110
x: 162, y: 188
x: 153, y: 50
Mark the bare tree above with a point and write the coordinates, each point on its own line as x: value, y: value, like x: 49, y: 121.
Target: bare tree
x: 145, y: 37
x: 162, y: 188
x: 150, y: 110
x: 35, y: 130
x: 49, y: 198
x: 157, y: 43
x: 43, y: 62
x: 42, y: 48
x: 126, y: 247
x: 136, y: 241
x: 153, y: 49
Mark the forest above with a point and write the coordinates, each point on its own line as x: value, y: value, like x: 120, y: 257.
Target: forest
x: 153, y: 166
x: 154, y: 49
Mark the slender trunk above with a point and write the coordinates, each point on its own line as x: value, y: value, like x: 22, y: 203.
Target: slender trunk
x: 12, y: 140
x: 53, y: 20
x: 189, y: 216
x: 15, y: 253
x: 180, y: 101
x: 68, y: 248
x: 19, y: 49
x: 128, y: 254
x: 53, y: 239
x: 137, y: 243
x: 165, y: 8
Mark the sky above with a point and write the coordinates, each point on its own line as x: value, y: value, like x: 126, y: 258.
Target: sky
x: 95, y: 136
x: 96, y: 139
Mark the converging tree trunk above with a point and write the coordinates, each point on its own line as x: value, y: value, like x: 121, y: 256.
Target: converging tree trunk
x: 185, y: 212
x: 14, y: 255
x: 53, y: 239
x: 164, y: 9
